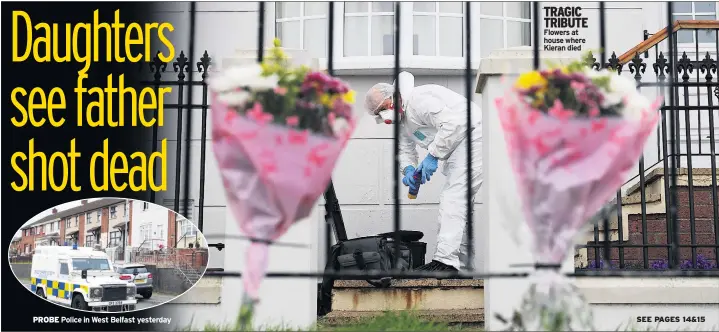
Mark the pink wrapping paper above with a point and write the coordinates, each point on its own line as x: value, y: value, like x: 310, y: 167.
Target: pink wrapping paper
x: 567, y: 168
x: 273, y: 176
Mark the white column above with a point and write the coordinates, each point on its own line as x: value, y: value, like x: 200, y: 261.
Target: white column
x: 504, y: 220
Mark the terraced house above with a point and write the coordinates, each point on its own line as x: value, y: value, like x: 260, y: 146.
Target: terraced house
x: 114, y: 225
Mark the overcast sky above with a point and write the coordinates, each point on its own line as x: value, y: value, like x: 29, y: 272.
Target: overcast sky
x: 59, y: 208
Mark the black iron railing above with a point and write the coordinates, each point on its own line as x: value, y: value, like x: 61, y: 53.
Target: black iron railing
x: 675, y: 76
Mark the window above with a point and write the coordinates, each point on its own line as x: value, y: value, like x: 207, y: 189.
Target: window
x: 145, y: 232
x: 695, y: 11
x: 90, y: 264
x: 160, y: 232
x: 57, y: 225
x: 88, y: 218
x: 99, y: 215
x: 187, y: 228
x: 63, y: 269
x: 368, y: 28
x: 52, y: 226
x: 115, y: 239
x: 68, y: 223
x: 113, y: 212
x: 432, y: 20
x: 511, y: 19
x: 89, y: 240
x: 133, y: 270
x: 124, y: 209
x: 302, y: 25
x: 77, y: 220
x: 145, y: 206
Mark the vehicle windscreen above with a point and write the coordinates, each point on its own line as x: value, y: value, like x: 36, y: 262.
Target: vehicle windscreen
x: 79, y: 264
x: 132, y: 270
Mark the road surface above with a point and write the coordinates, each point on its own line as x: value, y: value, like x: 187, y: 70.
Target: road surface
x: 156, y: 299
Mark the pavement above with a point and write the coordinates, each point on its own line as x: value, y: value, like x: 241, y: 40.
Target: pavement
x: 156, y: 299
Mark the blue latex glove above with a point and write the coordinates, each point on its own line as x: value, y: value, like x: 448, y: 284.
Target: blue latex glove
x: 408, y: 179
x: 428, y: 167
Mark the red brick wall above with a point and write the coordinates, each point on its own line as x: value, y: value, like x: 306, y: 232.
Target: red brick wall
x: 81, y: 232
x: 26, y: 239
x: 105, y: 220
x: 171, y: 226
x: 182, y: 257
x: 656, y: 231
x: 63, y: 225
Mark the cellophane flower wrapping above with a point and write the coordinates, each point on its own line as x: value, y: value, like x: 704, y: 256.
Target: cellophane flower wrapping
x: 572, y: 136
x: 277, y: 132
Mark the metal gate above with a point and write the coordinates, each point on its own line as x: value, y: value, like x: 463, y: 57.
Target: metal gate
x: 676, y: 76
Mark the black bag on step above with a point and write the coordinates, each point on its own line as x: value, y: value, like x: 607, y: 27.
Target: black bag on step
x: 372, y: 253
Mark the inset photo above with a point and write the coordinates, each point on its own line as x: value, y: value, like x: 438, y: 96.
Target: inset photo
x: 108, y: 255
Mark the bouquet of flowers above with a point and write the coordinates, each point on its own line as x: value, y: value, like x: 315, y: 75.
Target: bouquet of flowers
x: 572, y: 136
x: 277, y: 132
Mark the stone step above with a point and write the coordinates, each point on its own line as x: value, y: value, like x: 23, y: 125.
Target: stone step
x: 465, y: 317
x: 409, y: 294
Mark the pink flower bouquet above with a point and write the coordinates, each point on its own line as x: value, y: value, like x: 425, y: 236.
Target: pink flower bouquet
x: 277, y: 132
x: 572, y: 135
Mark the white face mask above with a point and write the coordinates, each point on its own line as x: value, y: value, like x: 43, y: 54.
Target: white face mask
x: 387, y: 116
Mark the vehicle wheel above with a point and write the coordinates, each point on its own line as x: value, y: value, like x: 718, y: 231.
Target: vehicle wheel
x: 78, y: 302
x: 41, y: 293
x: 146, y: 295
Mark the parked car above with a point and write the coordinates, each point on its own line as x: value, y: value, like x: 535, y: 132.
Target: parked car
x: 138, y: 275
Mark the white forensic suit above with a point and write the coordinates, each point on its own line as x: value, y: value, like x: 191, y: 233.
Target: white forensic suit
x: 435, y: 118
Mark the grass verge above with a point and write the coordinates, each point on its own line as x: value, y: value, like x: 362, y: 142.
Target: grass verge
x: 387, y: 321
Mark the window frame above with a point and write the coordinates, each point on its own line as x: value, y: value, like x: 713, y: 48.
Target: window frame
x: 187, y: 224
x: 437, y: 14
x: 88, y: 218
x: 368, y: 14
x: 114, y: 235
x: 113, y: 212
x: 373, y: 65
x: 146, y: 232
x: 691, y: 45
x: 301, y: 18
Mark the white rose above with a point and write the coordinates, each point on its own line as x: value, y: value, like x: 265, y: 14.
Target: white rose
x: 622, y: 85
x: 234, y: 98
x: 340, y: 125
x: 636, y: 105
x: 262, y: 83
x: 243, y: 76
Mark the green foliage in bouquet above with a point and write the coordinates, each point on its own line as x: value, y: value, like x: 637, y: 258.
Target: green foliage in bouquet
x: 300, y: 98
x: 570, y: 88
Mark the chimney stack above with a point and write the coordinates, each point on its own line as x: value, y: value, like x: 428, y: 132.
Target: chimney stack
x: 83, y: 202
x: 54, y: 210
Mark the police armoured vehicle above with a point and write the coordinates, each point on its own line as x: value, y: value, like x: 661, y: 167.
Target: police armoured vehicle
x: 82, y: 278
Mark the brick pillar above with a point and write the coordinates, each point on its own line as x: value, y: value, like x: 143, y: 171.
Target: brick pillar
x: 81, y: 231
x: 171, y: 229
x: 105, y: 226
x: 63, y: 223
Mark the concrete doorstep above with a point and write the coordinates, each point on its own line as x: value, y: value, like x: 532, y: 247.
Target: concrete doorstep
x: 452, y: 301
